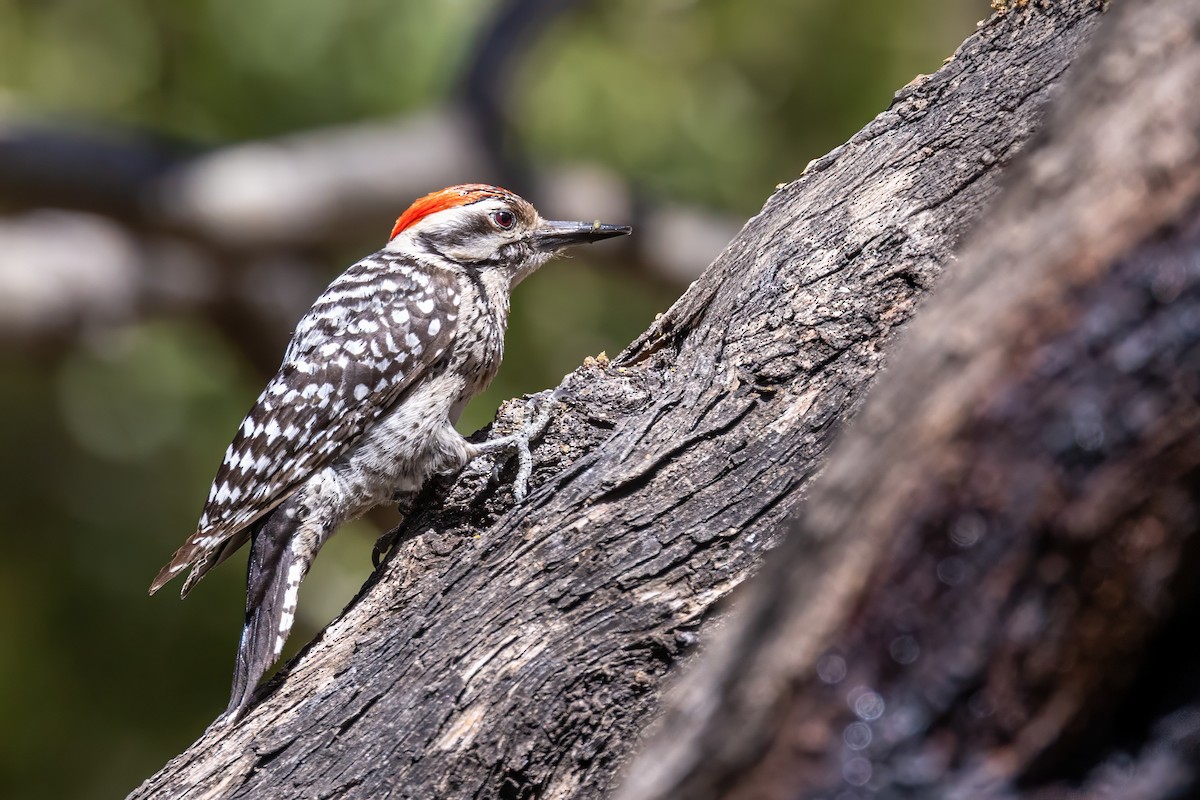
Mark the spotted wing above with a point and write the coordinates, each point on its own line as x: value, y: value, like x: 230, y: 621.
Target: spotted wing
x: 375, y: 330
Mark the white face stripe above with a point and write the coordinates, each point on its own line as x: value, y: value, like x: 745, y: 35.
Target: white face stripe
x: 443, y: 225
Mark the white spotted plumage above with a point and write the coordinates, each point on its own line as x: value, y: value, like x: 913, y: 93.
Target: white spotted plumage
x: 330, y: 388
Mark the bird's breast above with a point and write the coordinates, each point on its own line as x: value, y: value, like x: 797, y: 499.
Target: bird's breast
x: 479, y: 337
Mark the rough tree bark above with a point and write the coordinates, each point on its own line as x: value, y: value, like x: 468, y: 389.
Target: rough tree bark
x: 518, y: 652
x: 1008, y: 532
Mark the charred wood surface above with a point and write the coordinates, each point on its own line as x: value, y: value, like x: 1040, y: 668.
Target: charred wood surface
x: 991, y: 592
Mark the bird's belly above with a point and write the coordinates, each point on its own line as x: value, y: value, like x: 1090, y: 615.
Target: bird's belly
x: 403, y: 448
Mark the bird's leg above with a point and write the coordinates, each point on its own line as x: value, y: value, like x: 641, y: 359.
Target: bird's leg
x: 404, y: 501
x: 518, y: 442
x: 541, y: 407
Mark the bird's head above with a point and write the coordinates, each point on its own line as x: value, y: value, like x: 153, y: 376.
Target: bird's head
x: 482, y: 226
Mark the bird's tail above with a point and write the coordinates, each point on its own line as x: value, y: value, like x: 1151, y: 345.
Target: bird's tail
x: 278, y: 562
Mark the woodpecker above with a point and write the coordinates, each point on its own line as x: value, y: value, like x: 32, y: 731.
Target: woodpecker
x: 363, y: 407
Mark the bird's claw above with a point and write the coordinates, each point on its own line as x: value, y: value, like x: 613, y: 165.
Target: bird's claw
x: 404, y: 500
x: 383, y: 545
x: 542, y: 408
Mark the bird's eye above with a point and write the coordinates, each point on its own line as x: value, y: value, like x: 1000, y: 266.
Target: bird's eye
x: 504, y: 219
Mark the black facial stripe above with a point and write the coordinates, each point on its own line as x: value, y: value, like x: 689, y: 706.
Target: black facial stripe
x: 477, y: 226
x: 477, y: 282
x: 474, y: 227
x: 426, y: 242
x: 429, y: 247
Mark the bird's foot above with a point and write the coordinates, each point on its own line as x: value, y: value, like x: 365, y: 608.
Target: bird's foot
x: 404, y: 501
x: 539, y: 409
x: 383, y: 546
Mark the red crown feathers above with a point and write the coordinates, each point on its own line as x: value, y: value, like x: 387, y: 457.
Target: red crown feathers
x: 452, y: 197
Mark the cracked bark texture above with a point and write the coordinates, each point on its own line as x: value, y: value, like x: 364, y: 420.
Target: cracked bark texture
x: 990, y: 593
x: 519, y: 652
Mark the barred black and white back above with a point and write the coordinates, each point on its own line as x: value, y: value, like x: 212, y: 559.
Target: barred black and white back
x: 378, y: 327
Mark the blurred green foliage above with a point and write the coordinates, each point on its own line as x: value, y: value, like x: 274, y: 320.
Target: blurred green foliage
x: 111, y: 442
x: 717, y: 101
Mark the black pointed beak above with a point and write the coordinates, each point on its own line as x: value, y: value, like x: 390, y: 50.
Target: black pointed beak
x: 551, y: 236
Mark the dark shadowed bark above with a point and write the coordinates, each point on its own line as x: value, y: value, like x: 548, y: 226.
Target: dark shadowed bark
x: 519, y: 652
x: 991, y: 592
